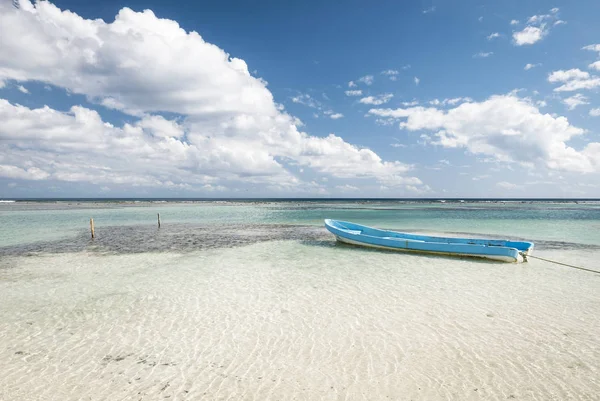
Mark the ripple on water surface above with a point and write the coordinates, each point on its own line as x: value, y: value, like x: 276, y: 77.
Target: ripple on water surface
x: 295, y: 320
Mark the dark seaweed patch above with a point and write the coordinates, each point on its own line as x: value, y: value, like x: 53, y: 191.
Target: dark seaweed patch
x: 194, y: 237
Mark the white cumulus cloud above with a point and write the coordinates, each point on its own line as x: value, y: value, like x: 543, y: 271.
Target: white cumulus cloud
x: 529, y: 35
x: 536, y: 19
x: 575, y: 100
x: 306, y: 100
x: 594, y: 48
x: 104, y: 61
x: 446, y: 102
x: 568, y: 75
x: 538, y: 26
x: 377, y: 100
x: 529, y: 66
x: 505, y: 128
x: 228, y: 128
x: 31, y: 173
x: 573, y: 79
x: 356, y: 92
x: 391, y: 74
x: 367, y: 79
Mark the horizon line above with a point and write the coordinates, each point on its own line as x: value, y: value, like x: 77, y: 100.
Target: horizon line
x: 283, y: 198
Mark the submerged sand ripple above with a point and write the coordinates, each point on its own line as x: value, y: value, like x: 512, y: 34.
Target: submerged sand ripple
x: 284, y: 320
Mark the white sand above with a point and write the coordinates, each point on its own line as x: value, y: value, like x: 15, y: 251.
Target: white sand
x: 284, y: 320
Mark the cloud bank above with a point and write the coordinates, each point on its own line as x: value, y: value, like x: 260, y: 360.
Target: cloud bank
x: 200, y: 119
x: 504, y: 128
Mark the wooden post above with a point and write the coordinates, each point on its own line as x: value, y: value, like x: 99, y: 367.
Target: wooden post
x: 92, y: 228
x: 158, y: 219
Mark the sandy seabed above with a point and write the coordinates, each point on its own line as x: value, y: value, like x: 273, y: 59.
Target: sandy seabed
x: 291, y: 320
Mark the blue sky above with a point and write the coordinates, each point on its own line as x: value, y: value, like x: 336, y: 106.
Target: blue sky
x: 396, y: 99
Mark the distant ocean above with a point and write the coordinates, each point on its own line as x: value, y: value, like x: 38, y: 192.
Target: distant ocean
x: 568, y: 200
x: 253, y: 299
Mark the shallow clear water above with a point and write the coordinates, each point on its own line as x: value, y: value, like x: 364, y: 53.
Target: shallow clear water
x: 567, y: 222
x: 258, y: 302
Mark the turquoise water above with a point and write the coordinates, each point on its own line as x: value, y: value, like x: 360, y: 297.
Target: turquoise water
x: 564, y: 222
x: 256, y: 301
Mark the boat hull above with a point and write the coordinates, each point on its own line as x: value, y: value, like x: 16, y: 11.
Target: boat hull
x: 498, y: 250
x: 508, y: 259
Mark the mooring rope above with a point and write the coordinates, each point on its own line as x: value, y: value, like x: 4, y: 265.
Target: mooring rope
x: 560, y: 263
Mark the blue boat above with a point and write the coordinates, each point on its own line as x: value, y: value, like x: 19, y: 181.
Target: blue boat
x: 502, y: 250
